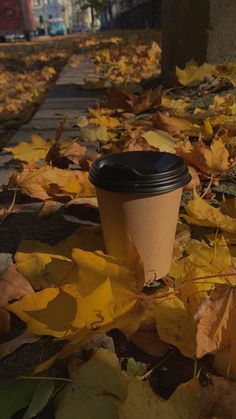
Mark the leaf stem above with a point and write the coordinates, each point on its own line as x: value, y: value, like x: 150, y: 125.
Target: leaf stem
x: 26, y: 377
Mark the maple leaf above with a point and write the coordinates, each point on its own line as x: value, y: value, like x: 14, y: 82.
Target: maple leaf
x: 100, y: 388
x: 217, y: 156
x: 172, y: 124
x: 196, y: 273
x: 50, y: 182
x: 52, y: 265
x: 102, y: 118
x: 193, y: 74
x: 100, y: 291
x: 13, y: 286
x: 216, y: 327
x: 28, y: 152
x: 203, y: 214
x: 206, y: 160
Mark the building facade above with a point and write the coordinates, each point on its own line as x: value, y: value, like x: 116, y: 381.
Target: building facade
x: 47, y: 10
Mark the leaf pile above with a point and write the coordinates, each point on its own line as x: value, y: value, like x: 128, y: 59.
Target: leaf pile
x: 23, y: 82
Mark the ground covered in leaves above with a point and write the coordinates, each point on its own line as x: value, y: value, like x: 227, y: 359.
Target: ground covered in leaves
x: 82, y: 334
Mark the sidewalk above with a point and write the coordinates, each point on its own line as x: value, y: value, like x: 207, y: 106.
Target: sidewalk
x: 66, y: 99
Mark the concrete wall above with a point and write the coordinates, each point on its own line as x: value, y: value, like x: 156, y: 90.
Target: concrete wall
x: 222, y: 32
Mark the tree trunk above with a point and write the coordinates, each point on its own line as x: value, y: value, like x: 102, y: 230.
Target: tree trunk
x: 185, y: 26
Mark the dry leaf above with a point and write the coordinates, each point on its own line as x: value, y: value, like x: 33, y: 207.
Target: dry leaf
x: 160, y: 140
x: 51, y: 182
x: 193, y: 74
x: 218, y: 398
x: 13, y: 285
x: 28, y: 152
x: 203, y: 214
x: 44, y: 265
x: 172, y: 124
x: 216, y: 327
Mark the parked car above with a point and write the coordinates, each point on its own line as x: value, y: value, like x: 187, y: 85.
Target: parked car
x: 16, y: 18
x: 57, y: 28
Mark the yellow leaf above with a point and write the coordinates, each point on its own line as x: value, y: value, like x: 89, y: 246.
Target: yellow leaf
x: 50, y: 182
x: 34, y: 151
x: 92, y: 135
x: 161, y: 140
x: 208, y: 127
x: 44, y: 265
x: 203, y: 214
x: 174, y: 322
x: 142, y: 402
x: 217, y: 156
x: 98, y: 296
x: 43, y: 314
x: 193, y: 74
x: 191, y: 272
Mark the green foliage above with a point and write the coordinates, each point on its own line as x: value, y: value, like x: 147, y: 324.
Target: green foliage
x: 15, y: 396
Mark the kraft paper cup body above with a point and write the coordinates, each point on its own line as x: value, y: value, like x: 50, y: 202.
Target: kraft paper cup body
x: 139, y: 196
x: 149, y: 222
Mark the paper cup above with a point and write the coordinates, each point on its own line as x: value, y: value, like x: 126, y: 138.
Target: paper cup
x: 139, y: 197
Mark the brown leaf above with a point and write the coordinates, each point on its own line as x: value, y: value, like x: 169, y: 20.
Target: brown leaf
x: 50, y: 182
x: 218, y: 399
x: 195, y: 180
x: 119, y: 99
x: 193, y: 155
x: 5, y: 321
x: 216, y: 327
x: 75, y: 152
x: 13, y: 286
x: 171, y: 124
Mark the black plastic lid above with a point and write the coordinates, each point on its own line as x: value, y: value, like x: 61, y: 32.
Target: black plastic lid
x: 142, y: 172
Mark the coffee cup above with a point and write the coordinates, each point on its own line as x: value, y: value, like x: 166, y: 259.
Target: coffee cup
x: 139, y: 195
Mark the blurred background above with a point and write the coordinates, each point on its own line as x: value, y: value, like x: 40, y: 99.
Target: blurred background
x: 35, y: 18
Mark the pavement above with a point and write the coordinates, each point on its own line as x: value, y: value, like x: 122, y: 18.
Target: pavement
x: 67, y: 98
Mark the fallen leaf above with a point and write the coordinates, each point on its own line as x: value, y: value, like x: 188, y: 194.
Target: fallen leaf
x: 196, y: 274
x: 218, y: 398
x: 50, y: 182
x: 28, y: 152
x: 5, y: 321
x: 217, y: 318
x: 172, y: 125
x: 96, y: 388
x: 99, y: 388
x: 193, y: 74
x: 195, y: 180
x: 51, y: 265
x: 217, y: 156
x: 160, y: 140
x: 99, y: 292
x: 13, y: 285
x: 203, y: 214
x: 149, y: 342
x: 174, y: 322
